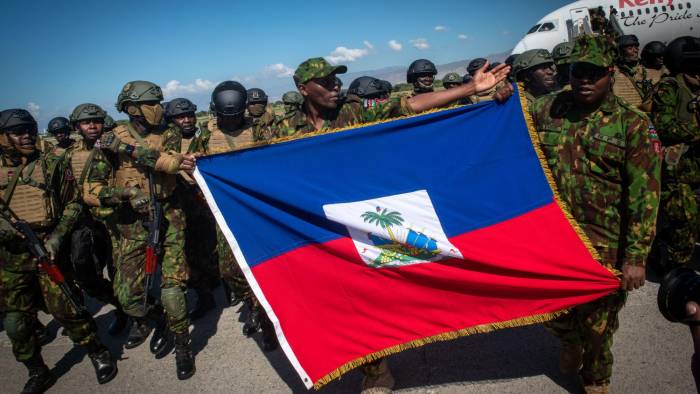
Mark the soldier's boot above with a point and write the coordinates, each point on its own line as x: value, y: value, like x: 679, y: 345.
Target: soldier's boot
x: 119, y: 323
x: 41, y: 333
x: 232, y: 297
x: 570, y: 359
x: 378, y: 378
x: 138, y: 333
x: 205, y: 303
x: 269, y: 339
x: 184, y: 359
x: 161, y: 342
x: 252, y: 323
x: 40, y: 377
x: 597, y: 388
x: 102, y: 361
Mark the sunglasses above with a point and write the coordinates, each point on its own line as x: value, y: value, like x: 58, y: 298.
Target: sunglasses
x: 588, y: 71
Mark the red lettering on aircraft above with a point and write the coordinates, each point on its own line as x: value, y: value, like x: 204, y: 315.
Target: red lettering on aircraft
x: 637, y: 3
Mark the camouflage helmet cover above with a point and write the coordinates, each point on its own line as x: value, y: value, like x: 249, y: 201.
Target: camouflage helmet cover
x: 87, y: 111
x: 562, y: 52
x: 109, y: 123
x: 293, y: 97
x: 316, y: 67
x: 138, y: 91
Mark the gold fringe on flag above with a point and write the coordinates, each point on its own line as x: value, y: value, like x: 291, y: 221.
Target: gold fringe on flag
x: 448, y: 336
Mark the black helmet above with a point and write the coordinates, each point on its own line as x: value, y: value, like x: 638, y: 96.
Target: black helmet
x: 628, y: 40
x: 677, y: 288
x: 367, y: 87
x: 683, y: 55
x: 475, y: 64
x: 15, y: 118
x: 58, y: 125
x: 179, y: 106
x: 654, y: 48
x: 420, y: 66
x: 256, y: 96
x: 228, y: 98
x: 387, y: 86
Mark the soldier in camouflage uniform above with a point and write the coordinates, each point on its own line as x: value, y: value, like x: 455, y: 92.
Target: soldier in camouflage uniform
x: 91, y: 245
x: 421, y: 74
x: 230, y: 130
x: 200, y: 233
x: 535, y: 69
x: 631, y: 80
x: 603, y: 154
x: 37, y: 186
x: 677, y: 115
x: 262, y: 115
x: 120, y: 179
x: 315, y: 81
x: 368, y: 91
x: 451, y: 80
x: 293, y: 101
x: 561, y: 54
x: 60, y: 128
x: 653, y: 61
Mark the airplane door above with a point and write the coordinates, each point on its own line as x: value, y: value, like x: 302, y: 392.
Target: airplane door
x: 580, y: 22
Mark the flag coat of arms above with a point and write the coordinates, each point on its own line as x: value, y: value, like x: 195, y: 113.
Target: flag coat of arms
x: 362, y: 242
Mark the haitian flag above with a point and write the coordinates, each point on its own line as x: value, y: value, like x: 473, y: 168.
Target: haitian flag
x: 362, y: 242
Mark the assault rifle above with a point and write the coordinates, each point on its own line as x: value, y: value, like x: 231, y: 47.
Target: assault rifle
x: 38, y: 251
x: 153, y: 247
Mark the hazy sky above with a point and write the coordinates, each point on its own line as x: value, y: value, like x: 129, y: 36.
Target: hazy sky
x: 58, y: 54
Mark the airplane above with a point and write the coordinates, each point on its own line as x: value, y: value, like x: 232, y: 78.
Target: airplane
x: 649, y: 20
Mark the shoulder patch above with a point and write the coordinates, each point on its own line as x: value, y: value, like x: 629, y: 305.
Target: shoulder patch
x: 654, y: 137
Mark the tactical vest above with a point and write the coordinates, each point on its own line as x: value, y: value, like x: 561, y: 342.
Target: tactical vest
x: 30, y: 201
x: 625, y: 87
x: 78, y: 159
x: 131, y: 174
x: 221, y: 142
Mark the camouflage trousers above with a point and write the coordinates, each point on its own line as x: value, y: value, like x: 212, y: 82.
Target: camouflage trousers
x: 231, y: 273
x: 129, y: 283
x: 679, y: 222
x: 200, y: 241
x: 22, y: 293
x: 592, y: 326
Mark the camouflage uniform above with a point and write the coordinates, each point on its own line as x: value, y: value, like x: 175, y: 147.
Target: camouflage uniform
x: 108, y: 176
x: 44, y: 196
x: 608, y: 175
x: 262, y: 126
x: 679, y: 129
x: 632, y: 83
x: 292, y: 105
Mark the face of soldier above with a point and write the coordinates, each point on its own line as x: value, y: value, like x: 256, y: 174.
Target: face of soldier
x: 321, y: 92
x: 630, y: 53
x: 424, y: 81
x: 91, y: 129
x: 590, y: 84
x: 186, y: 122
x: 542, y: 79
x: 256, y: 110
x: 62, y: 137
x: 23, y: 140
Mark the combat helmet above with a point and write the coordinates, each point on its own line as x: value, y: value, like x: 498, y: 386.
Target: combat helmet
x: 229, y: 98
x: 15, y: 118
x: 293, y: 98
x: 475, y: 65
x: 451, y: 79
x: 57, y: 125
x: 653, y: 49
x: 683, y: 55
x: 256, y: 96
x: 87, y: 111
x: 418, y: 67
x: 562, y: 52
x: 179, y: 106
x: 529, y: 59
x: 138, y: 92
x: 367, y: 87
x: 109, y: 124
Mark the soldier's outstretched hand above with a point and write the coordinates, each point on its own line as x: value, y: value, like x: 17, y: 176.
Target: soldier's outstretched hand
x: 484, y: 80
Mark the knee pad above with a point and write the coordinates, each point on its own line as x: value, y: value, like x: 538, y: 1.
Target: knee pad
x: 173, y: 299
x: 18, y: 326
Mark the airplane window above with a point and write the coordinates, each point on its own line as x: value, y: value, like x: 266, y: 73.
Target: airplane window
x: 673, y: 8
x: 687, y: 5
x: 547, y: 26
x: 639, y: 12
x: 680, y: 6
x: 648, y: 11
x: 534, y: 29
x: 663, y: 8
x: 656, y: 10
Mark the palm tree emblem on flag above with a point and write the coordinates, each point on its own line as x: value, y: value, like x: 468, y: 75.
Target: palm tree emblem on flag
x: 395, y: 231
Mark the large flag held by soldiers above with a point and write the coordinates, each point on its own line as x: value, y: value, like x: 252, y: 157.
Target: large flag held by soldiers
x: 366, y: 241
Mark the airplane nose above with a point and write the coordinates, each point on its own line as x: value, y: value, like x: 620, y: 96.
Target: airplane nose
x: 520, y: 47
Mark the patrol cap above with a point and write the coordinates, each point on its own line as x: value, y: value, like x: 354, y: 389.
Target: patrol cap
x: 629, y: 40
x: 678, y: 287
x: 15, y: 118
x: 562, y: 52
x: 452, y: 78
x: 531, y: 58
x: 316, y: 67
x: 592, y: 49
